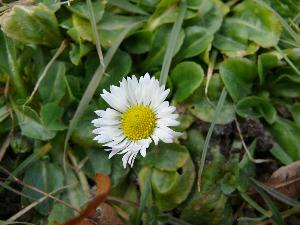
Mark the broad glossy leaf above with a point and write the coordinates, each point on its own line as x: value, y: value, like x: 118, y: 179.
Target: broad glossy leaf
x: 251, y: 24
x: 159, y: 46
x: 257, y: 107
x: 197, y: 39
x: 167, y: 157
x: 45, y: 176
x: 30, y: 124
x: 52, y: 87
x: 39, y: 25
x: 172, y: 188
x: 237, y: 75
x: 187, y: 77
x: 51, y: 116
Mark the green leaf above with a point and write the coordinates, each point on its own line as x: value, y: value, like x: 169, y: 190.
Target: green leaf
x: 51, y: 115
x: 196, y: 41
x: 128, y: 6
x: 52, y: 87
x: 45, y: 176
x: 207, y: 207
x: 118, y: 174
x: 276, y: 216
x: 237, y: 75
x: 286, y: 134
x: 74, y: 195
x: 167, y: 157
x: 295, y: 110
x: 39, y: 25
x: 82, y: 134
x: 80, y: 8
x: 281, y: 155
x: 265, y: 62
x: 139, y: 42
x: 205, y: 110
x: 9, y: 64
x: 187, y: 77
x: 30, y: 123
x: 251, y: 25
x: 194, y: 143
x: 98, y: 162
x: 112, y: 25
x: 159, y: 46
x: 257, y: 107
x: 172, y: 188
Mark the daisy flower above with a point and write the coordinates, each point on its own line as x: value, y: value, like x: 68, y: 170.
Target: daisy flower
x: 138, y: 115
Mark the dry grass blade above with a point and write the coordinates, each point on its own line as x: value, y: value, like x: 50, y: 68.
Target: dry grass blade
x: 35, y: 203
x: 61, y: 48
x: 37, y: 190
x: 246, y: 148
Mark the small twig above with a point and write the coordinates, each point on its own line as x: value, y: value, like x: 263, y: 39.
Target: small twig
x: 82, y: 162
x: 61, y: 48
x: 38, y: 190
x: 80, y: 174
x: 246, y: 148
x: 122, y: 201
x: 35, y: 203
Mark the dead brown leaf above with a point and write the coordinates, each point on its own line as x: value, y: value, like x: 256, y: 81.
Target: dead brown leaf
x: 286, y: 179
x: 90, y: 215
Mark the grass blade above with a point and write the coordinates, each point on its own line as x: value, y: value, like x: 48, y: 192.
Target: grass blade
x: 209, y: 133
x: 171, y: 44
x: 255, y: 205
x: 276, y: 216
x: 95, y: 32
x: 288, y: 60
x: 277, y: 194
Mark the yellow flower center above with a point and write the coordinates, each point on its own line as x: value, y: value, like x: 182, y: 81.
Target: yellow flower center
x: 138, y: 122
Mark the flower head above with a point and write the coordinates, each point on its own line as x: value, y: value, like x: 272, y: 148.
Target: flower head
x: 138, y: 115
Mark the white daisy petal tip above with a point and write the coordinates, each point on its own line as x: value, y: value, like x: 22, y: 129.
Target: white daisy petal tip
x: 139, y: 115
